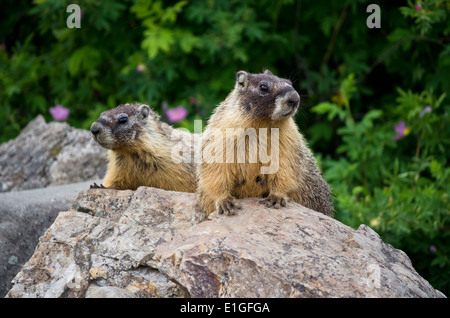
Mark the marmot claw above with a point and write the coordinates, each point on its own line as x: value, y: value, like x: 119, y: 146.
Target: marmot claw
x: 228, y: 205
x: 273, y: 201
x: 96, y: 186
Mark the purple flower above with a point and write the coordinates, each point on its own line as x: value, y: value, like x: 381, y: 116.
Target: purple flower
x: 433, y: 249
x: 418, y: 8
x: 401, y: 130
x: 427, y: 109
x: 176, y: 114
x: 59, y: 112
x: 140, y: 68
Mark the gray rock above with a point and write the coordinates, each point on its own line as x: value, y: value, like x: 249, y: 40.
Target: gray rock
x: 291, y: 252
x: 108, y: 292
x: 49, y: 154
x: 24, y: 217
x: 156, y: 243
x: 110, y: 243
x: 43, y: 155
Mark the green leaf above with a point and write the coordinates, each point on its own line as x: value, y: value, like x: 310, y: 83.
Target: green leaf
x: 331, y: 109
x: 436, y: 169
x: 186, y: 40
x: 83, y: 59
x: 170, y: 13
x: 158, y: 40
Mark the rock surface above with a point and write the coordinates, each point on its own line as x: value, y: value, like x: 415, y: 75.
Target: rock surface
x: 292, y: 252
x: 108, y: 248
x: 24, y: 217
x: 156, y: 243
x: 44, y: 155
x: 49, y: 154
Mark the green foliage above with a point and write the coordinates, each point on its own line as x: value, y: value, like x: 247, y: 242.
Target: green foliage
x: 430, y: 12
x: 400, y: 188
x: 356, y: 84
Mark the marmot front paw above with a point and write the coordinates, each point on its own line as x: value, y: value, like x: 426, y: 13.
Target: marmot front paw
x: 274, y: 201
x: 227, y: 205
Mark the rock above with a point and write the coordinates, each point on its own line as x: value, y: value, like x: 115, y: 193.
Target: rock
x: 291, y: 252
x: 49, y: 154
x: 43, y: 155
x: 156, y: 243
x: 108, y: 240
x: 24, y: 217
x: 108, y: 292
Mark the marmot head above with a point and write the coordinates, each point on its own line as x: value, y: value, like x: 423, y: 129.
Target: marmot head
x: 266, y: 96
x: 121, y: 127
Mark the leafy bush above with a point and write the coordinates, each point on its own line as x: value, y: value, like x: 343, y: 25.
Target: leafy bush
x: 398, y: 182
x: 375, y: 104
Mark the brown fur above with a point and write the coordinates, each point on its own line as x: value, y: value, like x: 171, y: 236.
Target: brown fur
x: 140, y: 150
x: 297, y: 179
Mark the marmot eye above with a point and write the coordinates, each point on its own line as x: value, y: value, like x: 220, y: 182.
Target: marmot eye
x: 123, y: 120
x: 264, y: 87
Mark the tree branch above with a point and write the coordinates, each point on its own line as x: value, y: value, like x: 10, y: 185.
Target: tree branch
x: 333, y: 39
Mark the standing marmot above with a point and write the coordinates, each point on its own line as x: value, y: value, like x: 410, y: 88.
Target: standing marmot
x: 258, y: 104
x: 141, y: 150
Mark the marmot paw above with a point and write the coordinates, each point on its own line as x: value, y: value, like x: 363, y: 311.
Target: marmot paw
x: 228, y: 205
x: 96, y: 186
x: 274, y: 201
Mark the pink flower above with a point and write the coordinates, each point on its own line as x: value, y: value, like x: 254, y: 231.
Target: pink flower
x: 427, y: 109
x: 401, y: 130
x: 418, y: 7
x: 140, y: 68
x: 176, y: 114
x: 59, y: 112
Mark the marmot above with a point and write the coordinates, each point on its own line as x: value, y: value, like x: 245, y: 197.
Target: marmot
x: 259, y: 101
x: 140, y: 150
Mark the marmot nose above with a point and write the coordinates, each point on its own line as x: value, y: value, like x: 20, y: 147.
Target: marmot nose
x: 292, y: 103
x: 293, y: 100
x: 95, y: 128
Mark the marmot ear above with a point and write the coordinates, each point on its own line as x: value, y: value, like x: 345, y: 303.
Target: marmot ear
x: 242, y: 78
x: 267, y: 72
x: 143, y: 111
